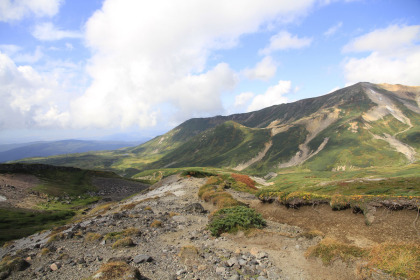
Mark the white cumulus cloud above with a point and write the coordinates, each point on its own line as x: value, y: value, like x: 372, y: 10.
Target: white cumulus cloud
x: 149, y: 63
x: 284, y: 40
x: 273, y: 96
x: 243, y: 98
x: 392, y: 38
x: 28, y: 97
x: 14, y: 10
x: 149, y: 55
x: 394, y: 56
x: 264, y: 70
x: 48, y: 32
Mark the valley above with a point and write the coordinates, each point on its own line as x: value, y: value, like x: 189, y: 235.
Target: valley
x: 322, y: 188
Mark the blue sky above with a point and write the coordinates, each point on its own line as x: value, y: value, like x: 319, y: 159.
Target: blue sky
x: 93, y: 69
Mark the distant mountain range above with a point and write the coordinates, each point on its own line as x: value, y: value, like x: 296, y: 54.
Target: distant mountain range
x: 359, y: 126
x: 13, y: 152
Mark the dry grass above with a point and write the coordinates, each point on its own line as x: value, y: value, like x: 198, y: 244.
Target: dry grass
x: 401, y: 260
x: 216, y: 194
x: 124, y: 242
x: 8, y: 243
x: 129, y: 206
x: 116, y: 235
x: 116, y: 270
x: 148, y: 208
x: 311, y: 234
x: 189, y: 254
x: 156, y: 223
x: 9, y: 263
x: 44, y: 251
x: 101, y: 209
x: 92, y: 236
x: 329, y: 250
x: 131, y: 231
x: 171, y: 214
x: 55, y: 237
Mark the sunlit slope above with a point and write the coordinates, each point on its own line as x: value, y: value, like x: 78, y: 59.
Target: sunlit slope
x: 359, y: 126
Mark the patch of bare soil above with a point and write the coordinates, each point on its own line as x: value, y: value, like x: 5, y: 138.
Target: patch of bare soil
x: 344, y: 225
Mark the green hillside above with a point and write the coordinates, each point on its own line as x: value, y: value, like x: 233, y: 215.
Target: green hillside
x: 360, y: 126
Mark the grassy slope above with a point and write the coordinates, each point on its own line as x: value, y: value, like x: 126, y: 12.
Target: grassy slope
x: 226, y: 145
x: 71, y: 183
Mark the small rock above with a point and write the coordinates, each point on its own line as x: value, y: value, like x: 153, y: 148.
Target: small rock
x: 180, y: 272
x: 232, y: 261
x: 195, y: 208
x: 254, y: 251
x: 261, y: 278
x: 179, y: 219
x: 242, y: 262
x: 261, y: 255
x: 55, y: 266
x: 142, y: 258
x: 202, y: 267
x: 234, y: 277
x: 220, y: 270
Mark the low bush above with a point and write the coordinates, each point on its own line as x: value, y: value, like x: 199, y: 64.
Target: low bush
x: 156, y: 223
x: 131, y: 231
x: 125, y: 242
x: 116, y: 270
x: 196, y: 173
x: 92, y: 236
x: 234, y: 219
x: 240, y: 178
x: 214, y: 192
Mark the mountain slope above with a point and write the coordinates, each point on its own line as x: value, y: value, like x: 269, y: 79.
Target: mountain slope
x: 358, y: 126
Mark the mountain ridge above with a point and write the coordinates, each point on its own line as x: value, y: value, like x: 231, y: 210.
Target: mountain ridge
x: 354, y: 127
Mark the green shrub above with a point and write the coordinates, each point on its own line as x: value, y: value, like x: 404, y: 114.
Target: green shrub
x: 235, y: 218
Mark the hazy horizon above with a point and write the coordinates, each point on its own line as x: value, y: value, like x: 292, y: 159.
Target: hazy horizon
x: 95, y: 69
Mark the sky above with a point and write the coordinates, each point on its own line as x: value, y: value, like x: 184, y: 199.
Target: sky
x: 130, y: 69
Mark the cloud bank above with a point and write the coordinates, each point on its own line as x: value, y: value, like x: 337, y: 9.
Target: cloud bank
x: 394, y: 56
x: 152, y: 54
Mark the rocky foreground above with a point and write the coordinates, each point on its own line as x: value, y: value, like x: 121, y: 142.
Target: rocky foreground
x: 161, y: 234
